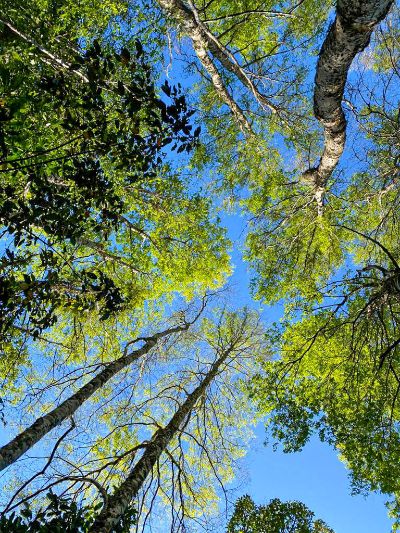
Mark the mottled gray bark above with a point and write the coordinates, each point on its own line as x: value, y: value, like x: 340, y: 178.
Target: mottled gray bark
x: 123, y: 495
x: 349, y: 34
x: 10, y: 452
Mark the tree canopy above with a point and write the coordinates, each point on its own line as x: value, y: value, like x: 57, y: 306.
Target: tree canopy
x: 130, y: 132
x: 275, y: 517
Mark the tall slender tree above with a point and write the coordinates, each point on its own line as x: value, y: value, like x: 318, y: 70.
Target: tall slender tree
x: 11, y: 451
x: 234, y: 339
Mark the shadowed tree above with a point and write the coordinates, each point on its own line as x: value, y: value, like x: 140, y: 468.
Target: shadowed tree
x: 275, y: 517
x: 61, y: 514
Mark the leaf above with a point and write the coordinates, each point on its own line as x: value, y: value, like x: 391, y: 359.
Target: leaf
x: 139, y: 48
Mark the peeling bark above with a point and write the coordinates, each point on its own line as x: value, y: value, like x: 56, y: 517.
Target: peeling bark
x: 184, y: 15
x: 10, y: 452
x: 123, y: 495
x: 349, y: 34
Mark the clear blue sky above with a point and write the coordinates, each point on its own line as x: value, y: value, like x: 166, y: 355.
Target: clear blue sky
x: 315, y: 476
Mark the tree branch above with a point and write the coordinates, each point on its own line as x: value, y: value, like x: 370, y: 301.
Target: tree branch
x: 203, y: 43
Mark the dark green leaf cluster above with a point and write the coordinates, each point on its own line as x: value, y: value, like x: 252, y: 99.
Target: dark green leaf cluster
x: 62, y: 515
x: 74, y: 133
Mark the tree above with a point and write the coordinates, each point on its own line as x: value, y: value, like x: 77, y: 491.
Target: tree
x: 338, y: 377
x: 236, y: 341
x: 63, y: 178
x: 108, y: 231
x: 10, y: 452
x: 338, y: 371
x: 324, y: 239
x: 348, y: 35
x: 295, y: 222
x: 168, y: 443
x: 218, y: 35
x: 95, y: 218
x: 275, y: 517
x: 288, y: 233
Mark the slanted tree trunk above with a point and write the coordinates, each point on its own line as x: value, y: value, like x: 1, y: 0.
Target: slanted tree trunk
x: 207, y: 48
x: 10, y: 452
x: 349, y: 34
x: 183, y: 14
x: 123, y: 495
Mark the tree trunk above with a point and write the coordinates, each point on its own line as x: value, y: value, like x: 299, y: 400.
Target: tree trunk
x: 10, y: 452
x: 123, y: 495
x: 349, y: 34
x: 204, y: 42
x: 183, y: 14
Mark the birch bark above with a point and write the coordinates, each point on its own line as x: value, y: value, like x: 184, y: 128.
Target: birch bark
x: 185, y: 16
x: 10, y: 452
x: 123, y: 495
x: 348, y: 35
x: 204, y: 42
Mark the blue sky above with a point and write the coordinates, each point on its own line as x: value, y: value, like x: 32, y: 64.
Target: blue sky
x: 314, y: 476
x: 317, y: 478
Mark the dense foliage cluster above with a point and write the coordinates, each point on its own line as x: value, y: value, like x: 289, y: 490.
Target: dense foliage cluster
x: 61, y: 515
x: 275, y: 517
x: 75, y: 134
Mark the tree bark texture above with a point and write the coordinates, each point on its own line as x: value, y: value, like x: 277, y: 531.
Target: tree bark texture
x: 185, y: 16
x: 123, y: 495
x: 10, y: 452
x: 207, y: 47
x: 348, y: 35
